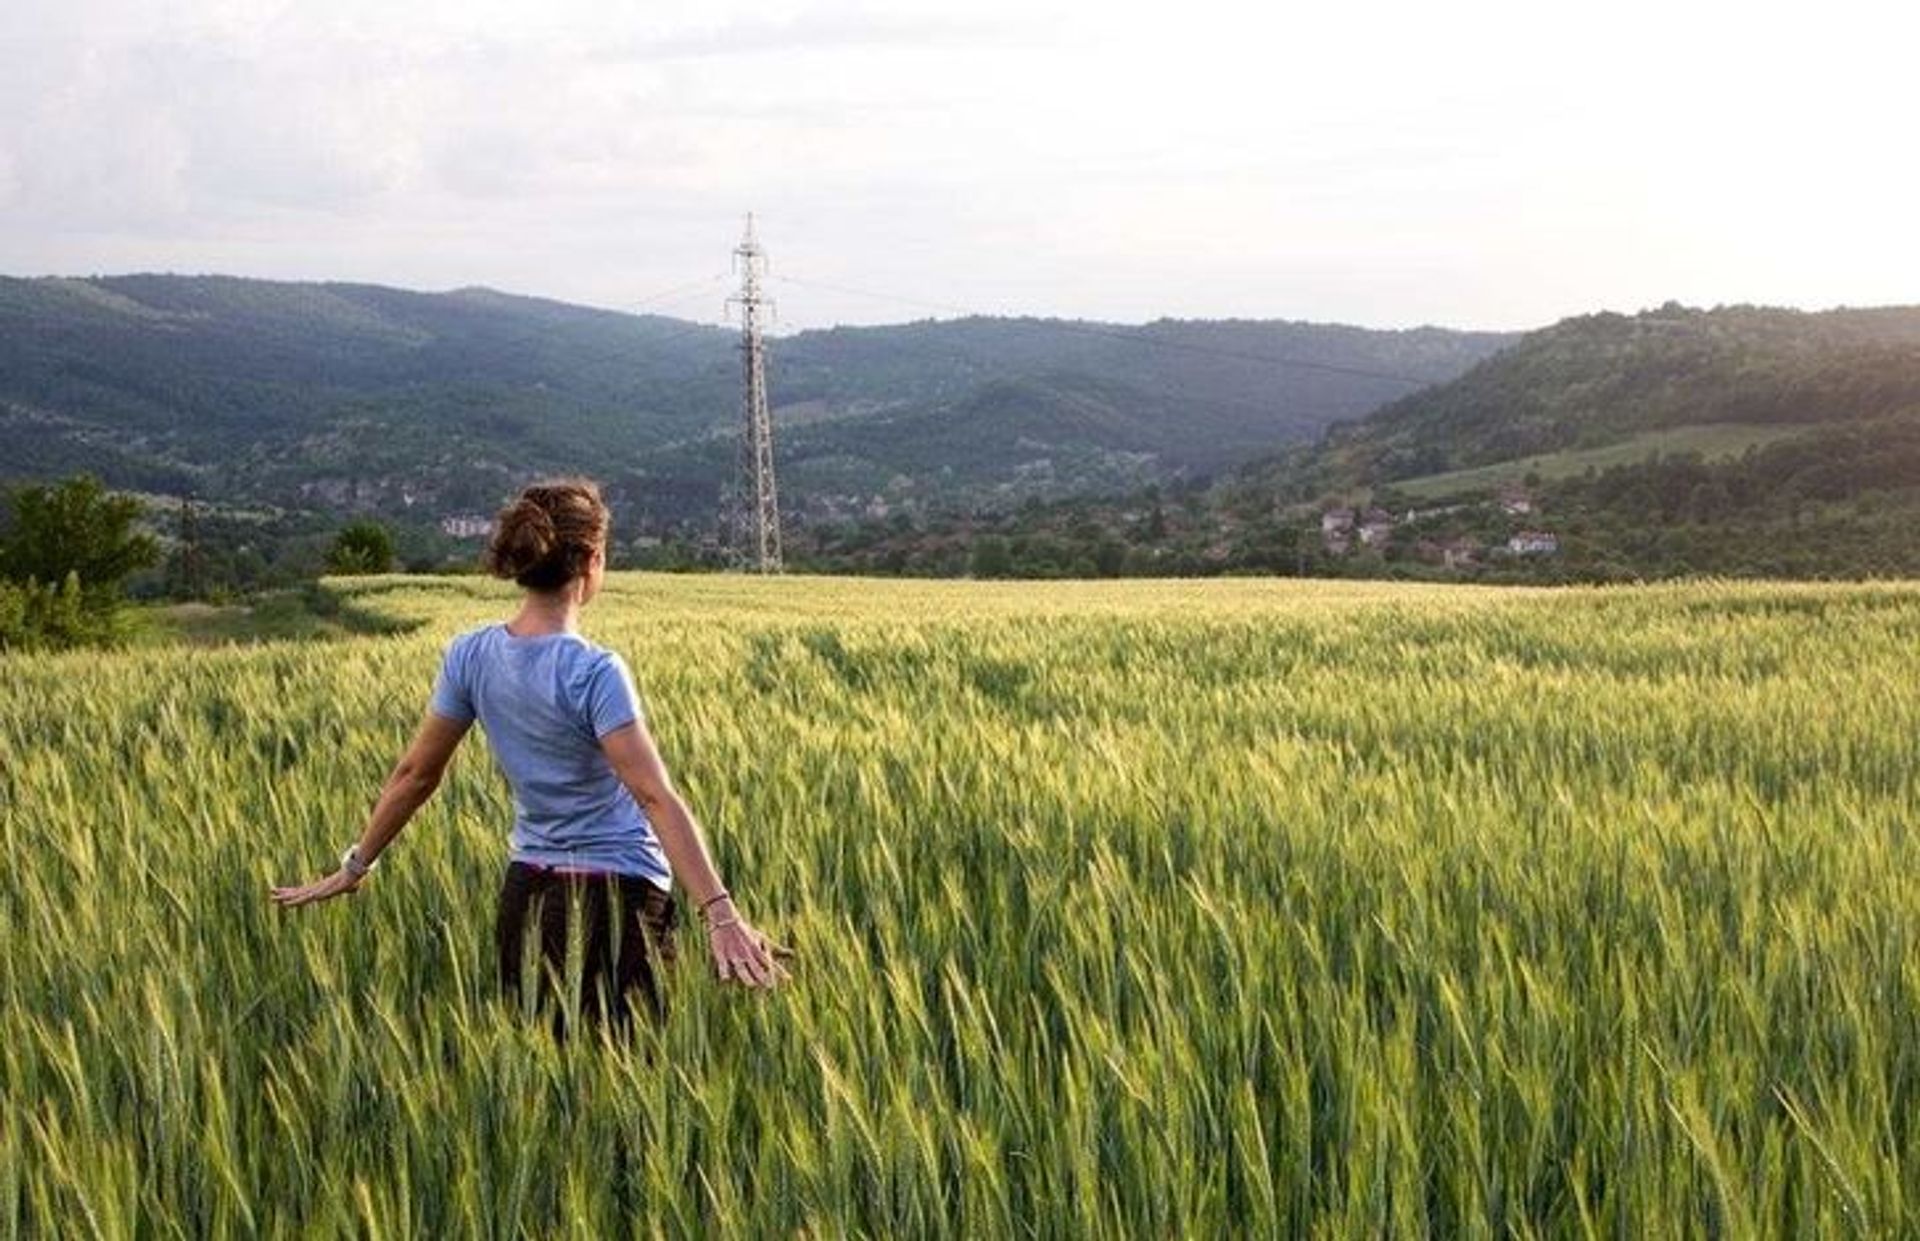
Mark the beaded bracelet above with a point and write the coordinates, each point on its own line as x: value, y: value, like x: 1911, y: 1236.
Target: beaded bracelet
x: 715, y: 899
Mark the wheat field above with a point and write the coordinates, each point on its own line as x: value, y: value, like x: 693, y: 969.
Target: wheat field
x: 1169, y: 909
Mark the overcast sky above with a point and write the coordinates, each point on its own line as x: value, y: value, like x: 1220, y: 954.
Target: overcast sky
x: 1471, y: 164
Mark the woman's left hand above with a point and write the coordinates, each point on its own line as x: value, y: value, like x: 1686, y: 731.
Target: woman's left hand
x: 339, y: 883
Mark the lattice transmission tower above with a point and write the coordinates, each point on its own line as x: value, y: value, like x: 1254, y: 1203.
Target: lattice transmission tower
x: 755, y: 506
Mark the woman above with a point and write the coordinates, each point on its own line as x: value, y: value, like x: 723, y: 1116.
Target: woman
x: 599, y: 831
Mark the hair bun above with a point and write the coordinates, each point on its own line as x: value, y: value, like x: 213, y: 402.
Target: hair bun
x: 526, y: 537
x: 548, y: 534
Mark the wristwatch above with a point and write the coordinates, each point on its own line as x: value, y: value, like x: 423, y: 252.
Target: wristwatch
x: 351, y: 863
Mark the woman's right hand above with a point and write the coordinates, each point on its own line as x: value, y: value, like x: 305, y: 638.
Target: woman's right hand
x: 740, y: 953
x: 339, y: 883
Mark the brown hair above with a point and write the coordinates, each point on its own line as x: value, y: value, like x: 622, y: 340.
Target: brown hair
x: 546, y: 537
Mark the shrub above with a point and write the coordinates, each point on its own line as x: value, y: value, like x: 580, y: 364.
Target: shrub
x: 37, y: 615
x: 363, y: 547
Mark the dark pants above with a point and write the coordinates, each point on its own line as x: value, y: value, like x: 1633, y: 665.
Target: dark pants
x: 624, y: 925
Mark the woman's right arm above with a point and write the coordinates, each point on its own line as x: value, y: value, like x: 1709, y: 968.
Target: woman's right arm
x: 739, y: 951
x: 412, y: 782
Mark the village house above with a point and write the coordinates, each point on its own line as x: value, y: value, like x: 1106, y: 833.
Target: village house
x: 466, y: 526
x: 1516, y: 501
x: 1376, y: 528
x: 1459, y: 553
x: 1454, y: 553
x: 1533, y: 543
x: 1336, y: 529
x: 1421, y: 514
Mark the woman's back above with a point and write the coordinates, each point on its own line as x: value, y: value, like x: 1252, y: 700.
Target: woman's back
x: 545, y: 701
x: 595, y: 814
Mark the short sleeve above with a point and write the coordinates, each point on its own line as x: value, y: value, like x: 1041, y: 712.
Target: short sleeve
x: 452, y: 697
x: 612, y: 700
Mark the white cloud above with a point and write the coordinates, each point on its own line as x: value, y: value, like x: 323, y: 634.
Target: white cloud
x: 1486, y: 163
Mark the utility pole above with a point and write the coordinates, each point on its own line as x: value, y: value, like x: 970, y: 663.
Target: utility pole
x: 756, y: 507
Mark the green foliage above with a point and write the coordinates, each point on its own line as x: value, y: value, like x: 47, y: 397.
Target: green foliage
x: 991, y: 558
x: 1143, y: 909
x: 1109, y: 556
x: 1839, y: 502
x: 35, y: 615
x: 361, y: 547
x: 74, y: 527
x: 1712, y: 441
x: 66, y: 550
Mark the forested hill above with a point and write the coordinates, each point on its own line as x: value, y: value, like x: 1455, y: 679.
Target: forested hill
x: 263, y: 390
x: 1740, y: 440
x: 1726, y: 377
x: 1736, y: 441
x: 348, y: 396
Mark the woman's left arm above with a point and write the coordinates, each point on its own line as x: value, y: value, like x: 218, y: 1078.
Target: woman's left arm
x: 412, y: 782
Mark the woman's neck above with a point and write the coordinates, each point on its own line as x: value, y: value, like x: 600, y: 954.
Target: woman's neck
x: 558, y: 612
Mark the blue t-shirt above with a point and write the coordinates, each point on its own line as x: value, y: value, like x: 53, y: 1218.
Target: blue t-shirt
x: 545, y: 701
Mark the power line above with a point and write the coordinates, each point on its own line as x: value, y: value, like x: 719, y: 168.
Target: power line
x: 641, y: 343
x: 664, y: 294
x: 653, y: 342
x: 677, y: 293
x: 1082, y: 329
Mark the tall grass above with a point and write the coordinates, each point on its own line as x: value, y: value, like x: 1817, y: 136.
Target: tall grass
x: 1174, y: 909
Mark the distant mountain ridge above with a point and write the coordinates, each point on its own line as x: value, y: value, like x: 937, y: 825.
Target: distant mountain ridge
x: 358, y: 396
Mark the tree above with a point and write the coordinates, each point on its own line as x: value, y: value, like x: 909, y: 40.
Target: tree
x: 362, y: 547
x: 76, y: 528
x: 992, y: 557
x: 65, y: 551
x: 53, y: 617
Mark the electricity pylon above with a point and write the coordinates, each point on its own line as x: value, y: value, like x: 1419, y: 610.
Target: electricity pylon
x: 756, y: 507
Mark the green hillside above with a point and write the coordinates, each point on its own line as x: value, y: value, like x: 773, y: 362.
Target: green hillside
x: 1715, y: 441
x: 330, y: 393
x: 1738, y: 441
x: 1603, y: 379
x: 341, y: 397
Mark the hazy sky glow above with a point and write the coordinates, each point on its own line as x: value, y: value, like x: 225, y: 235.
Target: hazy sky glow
x: 1473, y: 164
